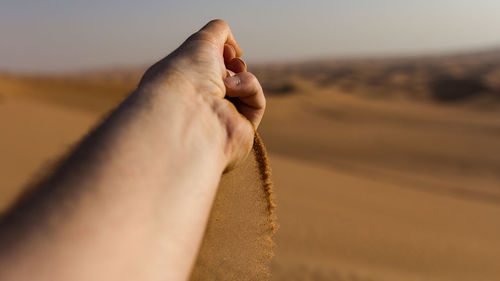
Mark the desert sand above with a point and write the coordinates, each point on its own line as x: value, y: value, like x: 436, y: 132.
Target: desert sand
x: 384, y: 169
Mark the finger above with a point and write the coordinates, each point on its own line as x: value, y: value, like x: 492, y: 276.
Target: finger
x: 229, y: 53
x: 218, y: 32
x: 236, y: 65
x: 251, y: 100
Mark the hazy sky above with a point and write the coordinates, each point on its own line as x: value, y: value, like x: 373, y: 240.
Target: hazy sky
x: 59, y: 35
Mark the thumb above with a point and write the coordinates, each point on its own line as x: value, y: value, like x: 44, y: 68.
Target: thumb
x: 250, y: 101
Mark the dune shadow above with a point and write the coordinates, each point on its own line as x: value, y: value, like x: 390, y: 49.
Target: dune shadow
x: 280, y: 89
x: 334, y: 75
x: 448, y: 89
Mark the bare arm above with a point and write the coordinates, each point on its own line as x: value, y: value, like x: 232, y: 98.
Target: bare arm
x: 132, y: 201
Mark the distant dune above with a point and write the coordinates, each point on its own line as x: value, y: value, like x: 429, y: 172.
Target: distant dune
x: 384, y: 169
x: 462, y: 78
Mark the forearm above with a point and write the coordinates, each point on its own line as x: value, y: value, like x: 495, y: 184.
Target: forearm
x: 133, y: 196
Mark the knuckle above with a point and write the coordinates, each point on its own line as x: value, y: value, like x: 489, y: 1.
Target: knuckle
x: 218, y: 22
x: 200, y: 35
x: 250, y: 78
x: 203, y: 37
x: 253, y: 82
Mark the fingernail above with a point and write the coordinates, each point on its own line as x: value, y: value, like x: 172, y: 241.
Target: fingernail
x: 242, y: 61
x: 232, y: 81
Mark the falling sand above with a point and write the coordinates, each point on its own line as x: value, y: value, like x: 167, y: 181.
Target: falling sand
x: 238, y: 241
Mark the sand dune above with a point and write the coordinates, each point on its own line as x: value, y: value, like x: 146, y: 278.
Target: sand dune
x: 383, y: 189
x: 33, y: 136
x: 383, y: 169
x: 423, y: 146
x: 342, y: 226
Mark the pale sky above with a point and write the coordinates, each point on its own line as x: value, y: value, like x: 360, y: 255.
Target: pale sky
x: 62, y: 35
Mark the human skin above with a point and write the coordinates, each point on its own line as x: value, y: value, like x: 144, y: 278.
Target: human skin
x: 132, y: 201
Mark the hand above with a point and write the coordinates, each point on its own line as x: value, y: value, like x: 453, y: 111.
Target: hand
x: 199, y: 68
